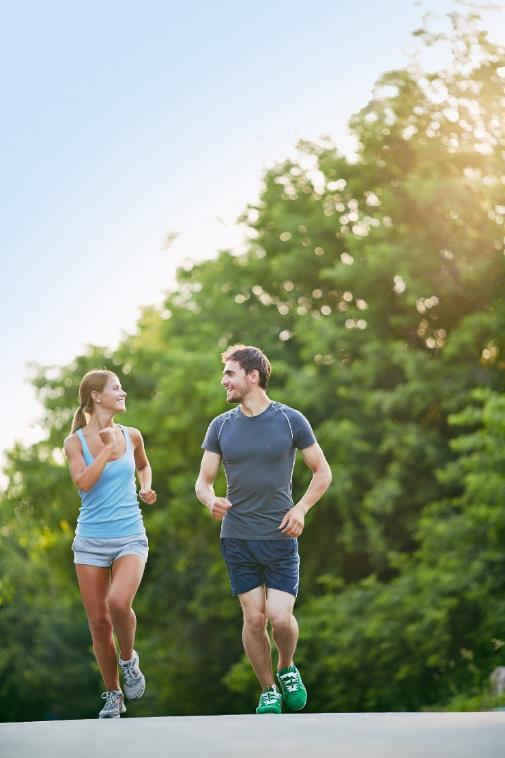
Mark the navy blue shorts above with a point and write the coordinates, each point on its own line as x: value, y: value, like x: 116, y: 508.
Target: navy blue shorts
x: 254, y: 563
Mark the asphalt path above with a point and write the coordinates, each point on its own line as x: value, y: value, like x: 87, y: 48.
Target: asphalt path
x: 314, y: 735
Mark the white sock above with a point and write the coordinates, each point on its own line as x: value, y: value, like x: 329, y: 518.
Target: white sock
x: 125, y: 662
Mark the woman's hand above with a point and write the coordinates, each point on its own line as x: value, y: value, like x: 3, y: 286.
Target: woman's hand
x: 108, y: 435
x: 148, y: 496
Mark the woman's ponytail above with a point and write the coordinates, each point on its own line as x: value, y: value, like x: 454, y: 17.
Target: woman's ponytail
x: 79, y: 420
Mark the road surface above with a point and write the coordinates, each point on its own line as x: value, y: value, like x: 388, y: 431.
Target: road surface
x: 325, y: 735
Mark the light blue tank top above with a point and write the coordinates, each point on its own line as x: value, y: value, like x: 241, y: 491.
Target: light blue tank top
x: 110, y: 508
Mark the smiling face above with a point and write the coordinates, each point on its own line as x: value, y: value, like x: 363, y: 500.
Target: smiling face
x: 237, y: 383
x: 113, y: 397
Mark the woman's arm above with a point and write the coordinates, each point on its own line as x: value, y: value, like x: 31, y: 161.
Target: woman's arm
x: 144, y: 471
x: 83, y: 476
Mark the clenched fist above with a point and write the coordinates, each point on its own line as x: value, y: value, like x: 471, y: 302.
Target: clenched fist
x: 293, y: 522
x: 219, y: 507
x: 107, y: 435
x: 148, y: 496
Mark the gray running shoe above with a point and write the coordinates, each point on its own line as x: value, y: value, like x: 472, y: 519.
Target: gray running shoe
x: 134, y: 679
x: 114, y: 705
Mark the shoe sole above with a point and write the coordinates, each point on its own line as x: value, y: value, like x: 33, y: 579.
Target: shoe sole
x: 263, y: 713
x: 294, y: 710
x: 123, y: 710
x: 138, y: 696
x: 270, y: 710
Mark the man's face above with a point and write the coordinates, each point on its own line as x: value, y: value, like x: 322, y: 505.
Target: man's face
x: 236, y: 382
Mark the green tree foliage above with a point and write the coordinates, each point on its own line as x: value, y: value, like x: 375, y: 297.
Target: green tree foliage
x: 374, y: 285
x: 436, y: 630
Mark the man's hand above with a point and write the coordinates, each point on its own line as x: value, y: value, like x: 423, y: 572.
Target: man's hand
x: 148, y: 496
x: 219, y: 508
x: 293, y: 522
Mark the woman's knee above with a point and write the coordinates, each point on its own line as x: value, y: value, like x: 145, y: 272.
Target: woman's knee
x: 118, y: 606
x: 100, y: 625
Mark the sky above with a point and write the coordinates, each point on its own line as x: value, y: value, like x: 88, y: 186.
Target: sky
x: 124, y: 122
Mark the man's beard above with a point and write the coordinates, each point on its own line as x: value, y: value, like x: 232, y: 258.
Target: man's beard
x: 234, y: 397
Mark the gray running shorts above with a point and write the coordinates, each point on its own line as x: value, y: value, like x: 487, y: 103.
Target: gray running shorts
x: 97, y: 552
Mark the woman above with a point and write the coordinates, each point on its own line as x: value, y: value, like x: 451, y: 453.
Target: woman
x: 110, y: 545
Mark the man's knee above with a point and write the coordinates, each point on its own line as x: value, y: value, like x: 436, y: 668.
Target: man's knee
x: 280, y: 618
x: 255, y: 621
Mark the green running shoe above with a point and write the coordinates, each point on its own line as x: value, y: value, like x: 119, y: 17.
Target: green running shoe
x: 293, y: 689
x: 270, y: 701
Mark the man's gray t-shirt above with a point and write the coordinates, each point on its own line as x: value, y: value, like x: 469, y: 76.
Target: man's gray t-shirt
x: 258, y: 455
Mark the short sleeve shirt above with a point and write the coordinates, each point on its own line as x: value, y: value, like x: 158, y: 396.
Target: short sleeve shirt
x: 258, y: 455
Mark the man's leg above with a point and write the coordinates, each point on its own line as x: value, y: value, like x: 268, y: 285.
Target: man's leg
x: 254, y: 635
x: 285, y: 631
x: 279, y: 611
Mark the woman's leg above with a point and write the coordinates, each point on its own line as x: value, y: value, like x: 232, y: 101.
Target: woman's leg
x: 127, y: 574
x: 94, y: 584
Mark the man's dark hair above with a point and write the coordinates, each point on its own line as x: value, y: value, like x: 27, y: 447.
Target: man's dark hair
x: 250, y: 358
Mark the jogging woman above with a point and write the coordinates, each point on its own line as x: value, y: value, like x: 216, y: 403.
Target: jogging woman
x: 110, y: 545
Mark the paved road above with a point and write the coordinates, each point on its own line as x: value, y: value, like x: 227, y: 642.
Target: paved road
x: 325, y: 735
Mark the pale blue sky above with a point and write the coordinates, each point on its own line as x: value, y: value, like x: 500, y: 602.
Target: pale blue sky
x: 123, y: 121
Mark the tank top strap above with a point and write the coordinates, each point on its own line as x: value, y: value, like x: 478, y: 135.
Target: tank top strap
x: 127, y: 438
x: 85, y: 448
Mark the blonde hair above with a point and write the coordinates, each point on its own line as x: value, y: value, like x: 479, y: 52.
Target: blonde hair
x: 93, y: 381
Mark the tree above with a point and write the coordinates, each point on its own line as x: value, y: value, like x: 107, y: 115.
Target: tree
x: 374, y: 286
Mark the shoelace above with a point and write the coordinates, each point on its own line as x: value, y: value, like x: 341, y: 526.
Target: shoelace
x: 289, y: 680
x: 111, y: 700
x: 130, y: 670
x: 269, y: 696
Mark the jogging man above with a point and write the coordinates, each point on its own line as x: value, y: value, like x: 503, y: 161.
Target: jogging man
x: 257, y: 441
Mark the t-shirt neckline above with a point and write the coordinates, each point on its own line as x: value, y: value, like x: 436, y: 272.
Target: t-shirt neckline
x: 258, y: 415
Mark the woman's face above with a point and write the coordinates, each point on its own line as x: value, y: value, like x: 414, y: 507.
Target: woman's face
x: 113, y: 397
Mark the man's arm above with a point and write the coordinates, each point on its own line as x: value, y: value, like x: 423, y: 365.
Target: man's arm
x: 293, y: 522
x: 204, y: 487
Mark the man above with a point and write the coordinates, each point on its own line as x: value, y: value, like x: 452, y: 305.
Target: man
x: 257, y: 443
